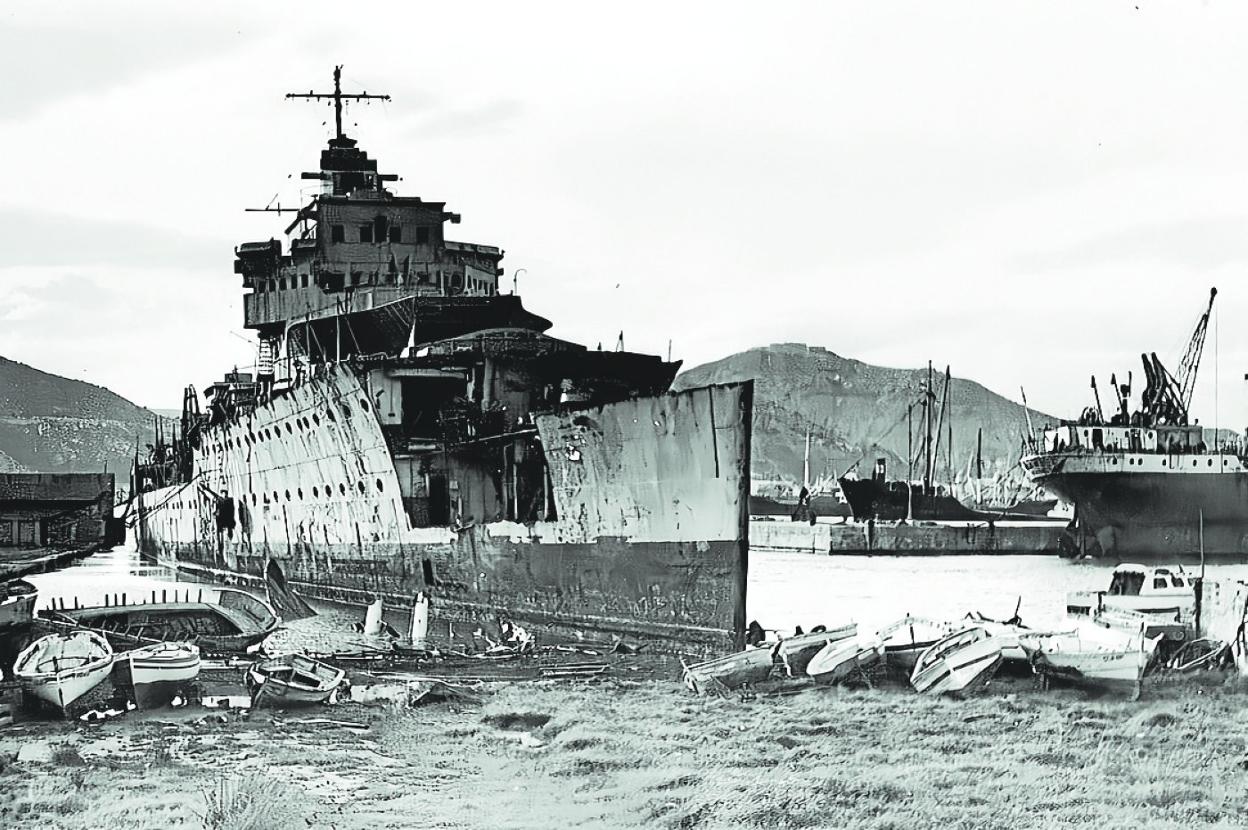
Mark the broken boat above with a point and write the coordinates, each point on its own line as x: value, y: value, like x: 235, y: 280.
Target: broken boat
x: 217, y: 620
x: 156, y: 673
x: 838, y: 661
x: 58, y: 669
x: 1092, y: 656
x: 796, y: 652
x: 962, y: 663
x: 293, y: 679
x: 410, y: 427
x: 906, y: 640
x: 741, y: 668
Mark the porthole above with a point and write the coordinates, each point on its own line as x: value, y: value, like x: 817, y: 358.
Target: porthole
x: 361, y: 487
x: 316, y: 493
x: 316, y: 419
x: 275, y: 498
x: 253, y: 499
x: 346, y: 411
x: 364, y: 404
x: 299, y: 493
x: 329, y: 413
x: 342, y: 489
x: 287, y: 495
x: 1210, y: 462
x: 379, y: 487
x: 289, y: 429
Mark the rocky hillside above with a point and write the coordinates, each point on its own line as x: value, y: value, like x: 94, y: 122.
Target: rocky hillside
x: 856, y: 412
x: 53, y: 424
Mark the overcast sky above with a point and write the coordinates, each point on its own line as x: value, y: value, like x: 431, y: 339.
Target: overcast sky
x: 1029, y: 192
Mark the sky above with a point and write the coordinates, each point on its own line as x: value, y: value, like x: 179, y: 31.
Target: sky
x: 1029, y: 192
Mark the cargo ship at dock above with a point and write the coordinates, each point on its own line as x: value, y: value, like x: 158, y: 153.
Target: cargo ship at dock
x: 410, y: 429
x: 1145, y: 482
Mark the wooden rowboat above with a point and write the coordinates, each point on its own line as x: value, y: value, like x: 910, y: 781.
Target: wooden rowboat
x: 293, y: 679
x: 17, y: 603
x: 961, y: 663
x: 60, y: 668
x: 157, y: 673
x: 731, y: 671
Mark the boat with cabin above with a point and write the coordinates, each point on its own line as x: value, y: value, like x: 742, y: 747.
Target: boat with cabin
x: 1163, y: 593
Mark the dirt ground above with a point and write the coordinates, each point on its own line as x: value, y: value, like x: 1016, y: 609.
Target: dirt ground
x: 620, y: 752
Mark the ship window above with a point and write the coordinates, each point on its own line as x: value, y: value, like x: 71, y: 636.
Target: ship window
x: 281, y: 284
x: 299, y: 493
x: 289, y: 429
x: 380, y: 488
x: 287, y: 495
x: 346, y: 411
x: 366, y: 233
x: 422, y: 236
x: 253, y: 498
x: 303, y: 281
x: 1210, y: 462
x: 329, y: 491
x: 381, y: 225
x: 1177, y: 582
x: 337, y: 233
x: 316, y: 493
x: 316, y: 419
x: 361, y: 487
x: 342, y: 489
x: 1160, y: 582
x: 275, y: 498
x: 396, y: 233
x: 364, y: 404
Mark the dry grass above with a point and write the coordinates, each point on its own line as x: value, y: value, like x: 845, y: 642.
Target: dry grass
x: 649, y: 754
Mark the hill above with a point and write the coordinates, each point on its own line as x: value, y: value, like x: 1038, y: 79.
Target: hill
x: 856, y: 412
x: 53, y: 424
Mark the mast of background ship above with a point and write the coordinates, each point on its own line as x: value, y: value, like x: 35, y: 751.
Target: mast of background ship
x: 928, y: 396
x: 910, y: 462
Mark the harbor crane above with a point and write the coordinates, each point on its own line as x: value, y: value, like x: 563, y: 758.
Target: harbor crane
x: 1167, y: 398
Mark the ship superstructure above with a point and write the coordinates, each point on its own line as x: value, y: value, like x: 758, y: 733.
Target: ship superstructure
x: 1144, y: 481
x: 408, y: 428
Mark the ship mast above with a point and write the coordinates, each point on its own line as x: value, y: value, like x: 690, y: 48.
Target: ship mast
x: 338, y: 97
x: 928, y: 396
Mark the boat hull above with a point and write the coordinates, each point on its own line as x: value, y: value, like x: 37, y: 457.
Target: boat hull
x: 840, y: 660
x: 60, y: 688
x: 961, y: 670
x: 796, y: 652
x: 650, y: 537
x: 870, y: 498
x: 752, y: 665
x: 156, y: 674
x: 1130, y: 515
x: 17, y: 604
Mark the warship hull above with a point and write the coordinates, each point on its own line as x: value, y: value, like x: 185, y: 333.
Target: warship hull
x: 649, y: 539
x: 1154, y: 514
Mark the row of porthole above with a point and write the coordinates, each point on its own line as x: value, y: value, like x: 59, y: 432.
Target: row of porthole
x: 316, y: 492
x: 1195, y: 462
x: 252, y: 438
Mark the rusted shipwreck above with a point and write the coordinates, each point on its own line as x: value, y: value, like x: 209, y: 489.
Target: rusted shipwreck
x: 410, y: 428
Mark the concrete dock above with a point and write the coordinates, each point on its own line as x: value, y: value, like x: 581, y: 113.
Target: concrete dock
x: 911, y: 540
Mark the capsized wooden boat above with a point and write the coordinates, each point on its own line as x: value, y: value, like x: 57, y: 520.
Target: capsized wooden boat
x: 60, y: 668
x: 218, y: 620
x: 17, y: 603
x: 293, y: 679
x: 840, y: 660
x: 796, y: 652
x: 907, y: 639
x: 731, y: 671
x: 961, y: 663
x: 158, y: 672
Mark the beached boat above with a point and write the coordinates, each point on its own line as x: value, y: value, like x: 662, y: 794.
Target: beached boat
x: 218, y: 620
x: 796, y: 651
x: 157, y: 673
x: 60, y: 668
x: 839, y: 660
x: 1092, y: 656
x: 732, y: 670
x: 17, y: 603
x: 907, y: 639
x: 293, y: 679
x: 961, y: 663
x: 1168, y: 593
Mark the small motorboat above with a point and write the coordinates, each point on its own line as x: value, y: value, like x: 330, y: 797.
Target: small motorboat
x: 17, y: 603
x: 1093, y: 656
x: 839, y: 660
x: 157, y: 673
x: 60, y: 668
x: 907, y: 639
x: 961, y: 663
x: 731, y: 671
x: 796, y: 651
x: 1169, y: 593
x: 293, y: 679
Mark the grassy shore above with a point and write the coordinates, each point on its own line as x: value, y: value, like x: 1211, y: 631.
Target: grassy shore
x: 616, y: 753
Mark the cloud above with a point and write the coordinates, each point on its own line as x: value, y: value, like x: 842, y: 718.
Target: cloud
x: 35, y: 238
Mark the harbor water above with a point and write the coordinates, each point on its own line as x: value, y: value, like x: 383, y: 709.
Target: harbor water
x: 784, y: 589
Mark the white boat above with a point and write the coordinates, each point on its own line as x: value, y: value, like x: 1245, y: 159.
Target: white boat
x: 1093, y: 656
x: 752, y: 665
x: 60, y: 668
x: 158, y: 672
x: 796, y: 651
x: 292, y: 679
x: 17, y: 603
x: 838, y: 660
x: 1158, y: 592
x: 961, y: 663
x: 907, y: 639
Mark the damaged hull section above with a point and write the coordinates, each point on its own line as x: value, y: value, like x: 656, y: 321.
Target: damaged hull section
x: 648, y: 536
